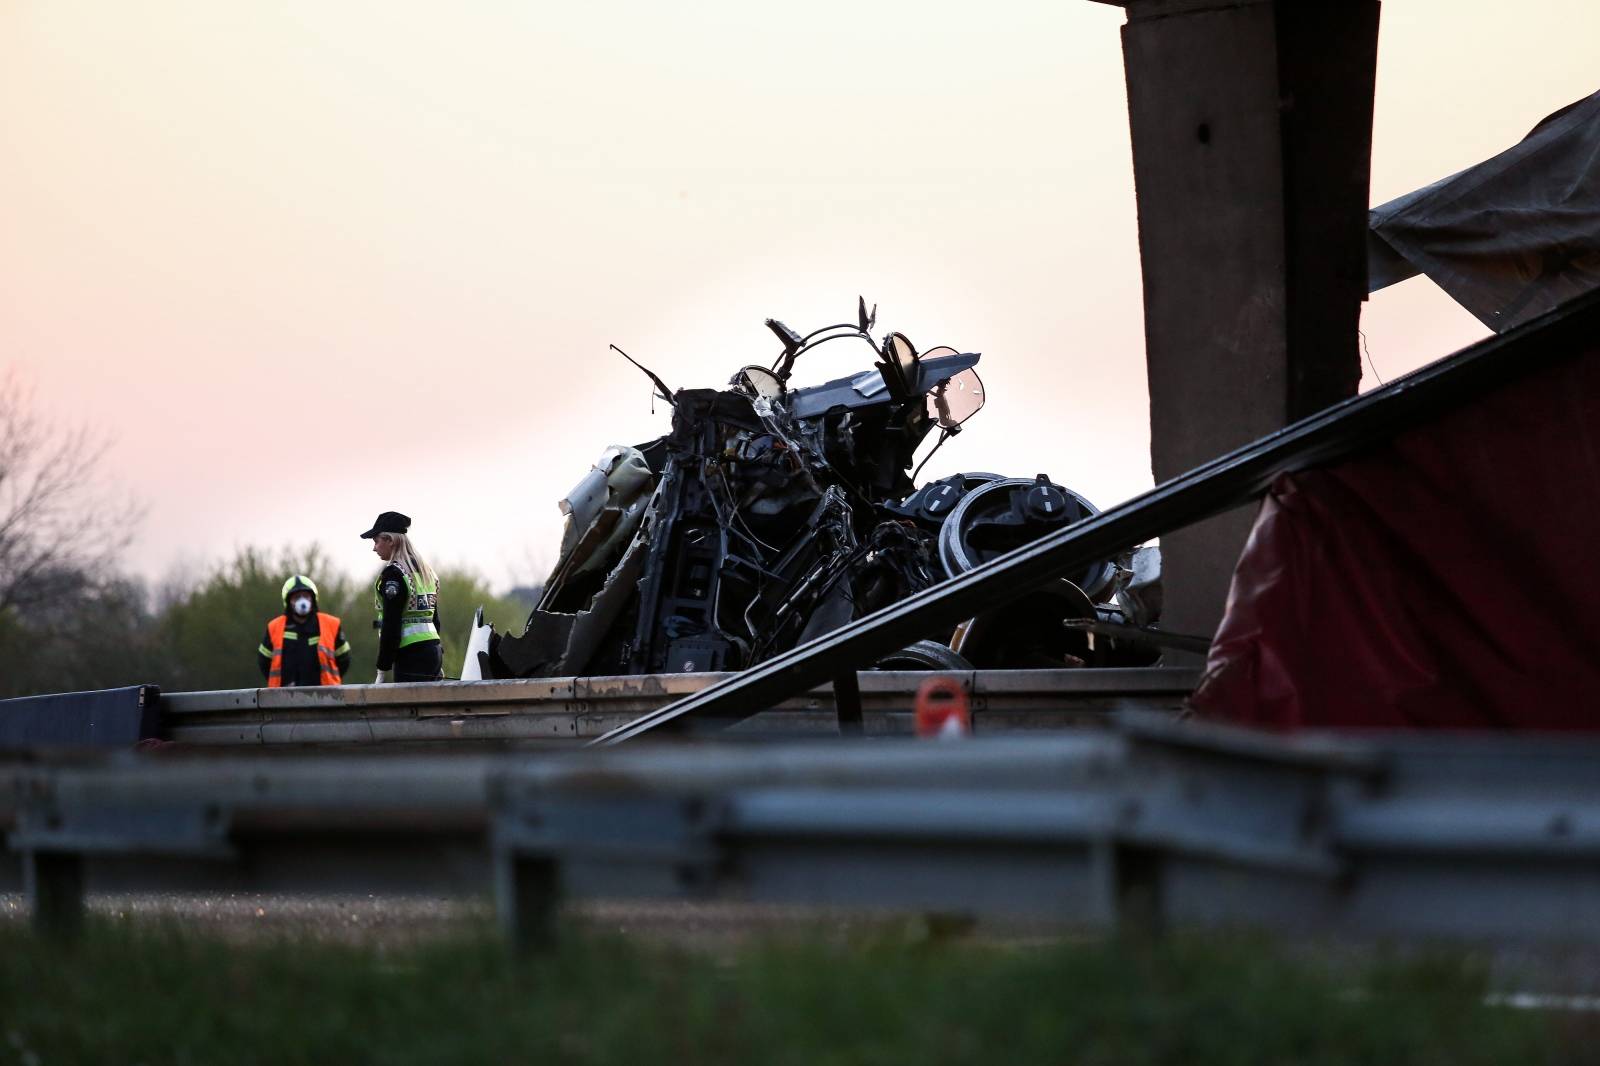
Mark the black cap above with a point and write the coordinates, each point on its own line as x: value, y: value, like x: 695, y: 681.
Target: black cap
x: 388, y: 522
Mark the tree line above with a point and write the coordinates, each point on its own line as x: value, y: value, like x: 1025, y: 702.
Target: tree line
x: 71, y: 619
x: 116, y: 630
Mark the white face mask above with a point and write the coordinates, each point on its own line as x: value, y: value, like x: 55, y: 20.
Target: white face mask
x: 301, y: 605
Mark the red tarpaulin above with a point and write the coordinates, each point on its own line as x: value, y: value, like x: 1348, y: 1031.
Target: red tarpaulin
x: 1449, y: 578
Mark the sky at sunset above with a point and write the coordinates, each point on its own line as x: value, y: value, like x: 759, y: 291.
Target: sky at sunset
x: 304, y: 262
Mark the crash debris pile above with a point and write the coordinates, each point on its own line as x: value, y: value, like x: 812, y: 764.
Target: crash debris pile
x: 770, y: 515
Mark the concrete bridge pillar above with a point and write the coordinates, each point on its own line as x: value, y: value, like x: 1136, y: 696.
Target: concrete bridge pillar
x: 1251, y: 126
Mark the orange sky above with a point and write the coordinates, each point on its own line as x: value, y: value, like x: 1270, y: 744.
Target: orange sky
x: 308, y: 261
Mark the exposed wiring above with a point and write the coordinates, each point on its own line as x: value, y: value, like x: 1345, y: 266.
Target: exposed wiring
x: 1368, y: 354
x: 944, y: 435
x: 852, y: 327
x: 661, y: 386
x: 727, y: 522
x: 809, y: 344
x: 733, y: 509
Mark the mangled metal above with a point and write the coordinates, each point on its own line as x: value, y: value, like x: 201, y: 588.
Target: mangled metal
x: 770, y: 515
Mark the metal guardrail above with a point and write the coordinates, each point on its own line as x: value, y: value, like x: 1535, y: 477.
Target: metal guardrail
x: 1484, y: 838
x: 487, y: 713
x: 110, y: 718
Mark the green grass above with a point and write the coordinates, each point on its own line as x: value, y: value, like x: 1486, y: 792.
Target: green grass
x: 152, y: 994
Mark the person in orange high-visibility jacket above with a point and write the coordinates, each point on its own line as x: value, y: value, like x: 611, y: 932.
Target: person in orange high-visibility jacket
x: 302, y: 645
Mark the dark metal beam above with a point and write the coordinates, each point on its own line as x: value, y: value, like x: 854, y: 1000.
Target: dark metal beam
x: 1226, y: 482
x: 1155, y: 638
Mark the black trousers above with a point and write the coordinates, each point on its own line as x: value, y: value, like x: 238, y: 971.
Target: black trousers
x: 423, y: 661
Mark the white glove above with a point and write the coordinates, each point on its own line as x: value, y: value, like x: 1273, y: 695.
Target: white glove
x: 384, y: 677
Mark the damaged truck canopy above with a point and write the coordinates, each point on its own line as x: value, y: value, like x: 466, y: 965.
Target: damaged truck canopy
x: 1510, y: 238
x: 772, y: 514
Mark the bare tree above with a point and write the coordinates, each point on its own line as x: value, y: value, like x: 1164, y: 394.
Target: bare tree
x: 61, y: 524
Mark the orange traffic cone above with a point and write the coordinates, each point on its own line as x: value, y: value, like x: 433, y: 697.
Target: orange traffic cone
x: 942, y: 709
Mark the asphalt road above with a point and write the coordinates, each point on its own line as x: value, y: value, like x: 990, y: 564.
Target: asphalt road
x: 400, y: 920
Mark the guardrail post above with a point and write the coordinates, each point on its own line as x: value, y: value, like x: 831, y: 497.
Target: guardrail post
x: 54, y: 882
x: 527, y: 899
x: 1140, y: 909
x: 847, y: 703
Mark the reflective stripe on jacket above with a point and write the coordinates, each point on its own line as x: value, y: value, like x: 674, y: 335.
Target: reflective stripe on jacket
x: 327, y: 654
x: 416, y: 620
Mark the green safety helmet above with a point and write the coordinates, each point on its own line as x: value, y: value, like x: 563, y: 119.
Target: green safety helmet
x: 295, y: 584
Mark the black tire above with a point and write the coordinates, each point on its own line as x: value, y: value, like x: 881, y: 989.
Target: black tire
x: 923, y: 655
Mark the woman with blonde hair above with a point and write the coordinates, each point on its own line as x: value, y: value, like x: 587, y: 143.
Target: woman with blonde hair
x: 406, y: 596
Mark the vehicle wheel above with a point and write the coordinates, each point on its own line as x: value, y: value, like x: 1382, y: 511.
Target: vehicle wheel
x: 996, y: 517
x: 923, y: 655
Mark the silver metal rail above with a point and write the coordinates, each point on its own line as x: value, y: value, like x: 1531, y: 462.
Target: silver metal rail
x: 1157, y: 823
x: 487, y: 713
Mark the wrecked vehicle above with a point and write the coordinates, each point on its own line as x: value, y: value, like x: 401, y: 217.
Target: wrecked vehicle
x: 770, y: 515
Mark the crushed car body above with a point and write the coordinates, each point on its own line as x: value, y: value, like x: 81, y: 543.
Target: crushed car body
x: 770, y: 515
